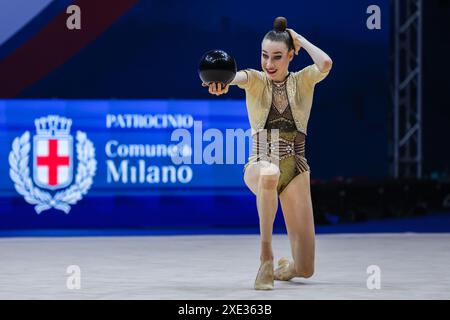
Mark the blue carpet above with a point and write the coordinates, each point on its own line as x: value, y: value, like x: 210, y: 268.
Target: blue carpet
x: 432, y: 223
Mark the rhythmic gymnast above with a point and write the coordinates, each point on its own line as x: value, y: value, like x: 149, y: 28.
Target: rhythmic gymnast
x: 278, y: 105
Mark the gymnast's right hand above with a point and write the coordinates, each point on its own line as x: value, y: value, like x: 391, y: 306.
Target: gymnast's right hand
x: 216, y: 89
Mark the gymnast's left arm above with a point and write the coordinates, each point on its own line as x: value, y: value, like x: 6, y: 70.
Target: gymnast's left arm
x: 320, y: 58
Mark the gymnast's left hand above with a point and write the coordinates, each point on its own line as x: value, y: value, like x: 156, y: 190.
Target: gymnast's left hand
x: 297, y: 40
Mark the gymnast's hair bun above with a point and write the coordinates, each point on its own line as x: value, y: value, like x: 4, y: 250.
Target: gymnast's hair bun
x: 280, y: 24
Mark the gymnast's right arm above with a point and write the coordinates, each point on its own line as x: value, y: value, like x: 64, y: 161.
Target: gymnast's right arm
x: 239, y: 79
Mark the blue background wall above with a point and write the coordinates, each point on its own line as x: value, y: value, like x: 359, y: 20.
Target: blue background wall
x: 151, y: 53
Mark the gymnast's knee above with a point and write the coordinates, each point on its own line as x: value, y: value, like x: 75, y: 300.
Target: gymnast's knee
x: 269, y: 181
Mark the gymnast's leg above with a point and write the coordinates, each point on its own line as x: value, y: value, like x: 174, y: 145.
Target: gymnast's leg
x: 297, y: 209
x: 262, y: 179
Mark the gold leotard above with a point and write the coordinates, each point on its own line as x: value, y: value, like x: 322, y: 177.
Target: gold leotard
x: 289, y: 149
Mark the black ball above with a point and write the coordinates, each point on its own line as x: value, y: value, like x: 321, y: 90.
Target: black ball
x: 217, y: 66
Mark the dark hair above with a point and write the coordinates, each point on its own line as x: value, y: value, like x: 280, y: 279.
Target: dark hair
x: 279, y: 33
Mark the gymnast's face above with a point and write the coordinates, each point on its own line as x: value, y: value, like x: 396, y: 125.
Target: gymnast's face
x: 275, y: 59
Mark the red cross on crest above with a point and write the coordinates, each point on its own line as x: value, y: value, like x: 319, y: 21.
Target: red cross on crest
x: 53, y: 162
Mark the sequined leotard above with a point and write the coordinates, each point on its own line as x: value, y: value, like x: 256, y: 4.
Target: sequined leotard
x: 289, y: 148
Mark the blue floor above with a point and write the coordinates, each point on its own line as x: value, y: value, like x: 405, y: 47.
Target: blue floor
x: 437, y: 222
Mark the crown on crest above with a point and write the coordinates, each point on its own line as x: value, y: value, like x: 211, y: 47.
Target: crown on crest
x: 53, y: 125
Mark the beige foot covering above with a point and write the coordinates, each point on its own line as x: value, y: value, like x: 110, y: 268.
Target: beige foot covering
x: 284, y: 271
x: 264, y: 278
